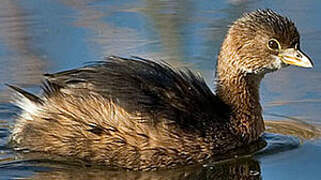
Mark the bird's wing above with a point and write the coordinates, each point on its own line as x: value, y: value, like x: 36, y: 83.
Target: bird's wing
x: 138, y: 85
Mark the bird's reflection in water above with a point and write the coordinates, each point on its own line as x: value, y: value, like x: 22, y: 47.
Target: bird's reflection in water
x: 294, y: 127
x: 244, y: 168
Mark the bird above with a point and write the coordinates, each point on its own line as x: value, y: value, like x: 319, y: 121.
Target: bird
x: 139, y: 114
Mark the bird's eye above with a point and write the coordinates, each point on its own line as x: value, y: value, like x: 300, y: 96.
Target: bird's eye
x: 274, y: 44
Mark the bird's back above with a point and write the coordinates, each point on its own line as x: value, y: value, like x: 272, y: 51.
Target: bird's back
x: 139, y: 85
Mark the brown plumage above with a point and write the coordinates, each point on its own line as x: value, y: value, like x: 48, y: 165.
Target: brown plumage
x: 141, y: 115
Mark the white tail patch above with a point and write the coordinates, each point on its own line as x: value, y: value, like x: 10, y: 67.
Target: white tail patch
x: 28, y: 107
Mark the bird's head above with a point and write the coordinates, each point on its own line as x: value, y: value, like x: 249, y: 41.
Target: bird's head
x: 261, y: 42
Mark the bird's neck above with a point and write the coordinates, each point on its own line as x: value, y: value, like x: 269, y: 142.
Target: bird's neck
x: 241, y: 92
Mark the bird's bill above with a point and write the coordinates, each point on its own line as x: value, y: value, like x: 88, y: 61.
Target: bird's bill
x: 295, y: 57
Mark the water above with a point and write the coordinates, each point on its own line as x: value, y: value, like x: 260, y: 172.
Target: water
x: 39, y: 36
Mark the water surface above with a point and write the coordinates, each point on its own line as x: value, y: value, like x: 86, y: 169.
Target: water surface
x: 39, y: 36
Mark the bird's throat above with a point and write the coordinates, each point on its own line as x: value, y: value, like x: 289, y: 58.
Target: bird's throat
x: 241, y: 92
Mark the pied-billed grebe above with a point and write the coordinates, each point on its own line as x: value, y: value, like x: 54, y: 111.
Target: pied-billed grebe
x: 140, y: 115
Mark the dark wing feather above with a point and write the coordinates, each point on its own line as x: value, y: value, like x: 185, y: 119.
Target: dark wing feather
x: 155, y: 90
x: 28, y: 95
